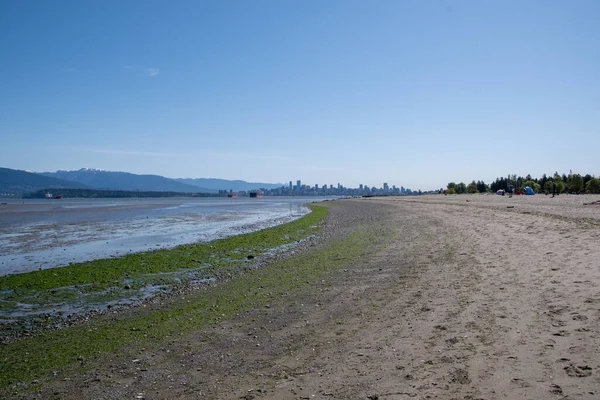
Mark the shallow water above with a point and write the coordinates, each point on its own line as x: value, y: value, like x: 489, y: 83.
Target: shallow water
x: 45, y: 234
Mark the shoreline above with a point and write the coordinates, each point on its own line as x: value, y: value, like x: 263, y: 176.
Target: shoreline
x: 75, y: 232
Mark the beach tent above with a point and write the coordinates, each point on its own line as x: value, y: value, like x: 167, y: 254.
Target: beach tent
x: 529, y: 191
x: 500, y: 192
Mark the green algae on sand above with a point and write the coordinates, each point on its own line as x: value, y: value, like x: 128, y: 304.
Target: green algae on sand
x: 36, y: 356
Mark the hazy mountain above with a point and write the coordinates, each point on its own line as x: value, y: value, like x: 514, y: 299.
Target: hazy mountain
x: 15, y: 182
x: 224, y: 184
x: 99, y: 179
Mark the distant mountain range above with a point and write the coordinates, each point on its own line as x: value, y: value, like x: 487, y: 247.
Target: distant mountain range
x: 13, y: 181
x: 99, y: 179
x: 17, y: 182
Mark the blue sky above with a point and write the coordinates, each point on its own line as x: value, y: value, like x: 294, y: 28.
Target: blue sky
x: 413, y: 93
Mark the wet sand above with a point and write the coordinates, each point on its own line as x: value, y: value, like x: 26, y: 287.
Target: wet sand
x: 470, y: 297
x: 42, y: 234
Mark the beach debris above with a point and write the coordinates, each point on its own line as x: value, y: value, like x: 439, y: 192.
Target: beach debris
x: 127, y: 287
x: 250, y: 257
x: 510, y: 206
x: 597, y: 202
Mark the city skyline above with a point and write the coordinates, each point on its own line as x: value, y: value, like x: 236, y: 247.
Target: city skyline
x: 300, y: 189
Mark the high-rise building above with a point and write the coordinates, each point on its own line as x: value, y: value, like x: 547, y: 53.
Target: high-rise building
x: 298, y: 184
x: 386, y: 188
x: 317, y: 186
x: 291, y: 187
x: 360, y: 187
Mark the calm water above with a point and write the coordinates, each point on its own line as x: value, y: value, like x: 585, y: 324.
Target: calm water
x: 44, y: 233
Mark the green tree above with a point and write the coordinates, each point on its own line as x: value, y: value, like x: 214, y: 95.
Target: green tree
x: 472, y: 188
x: 593, y: 186
x: 560, y: 184
x: 482, y: 187
x: 543, y: 180
x: 461, y: 188
x: 575, y: 183
x: 451, y: 185
x: 451, y: 191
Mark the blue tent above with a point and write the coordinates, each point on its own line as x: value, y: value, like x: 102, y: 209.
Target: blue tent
x: 529, y: 191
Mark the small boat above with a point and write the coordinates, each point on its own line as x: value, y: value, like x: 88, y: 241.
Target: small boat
x: 232, y: 195
x: 256, y: 194
x: 50, y: 196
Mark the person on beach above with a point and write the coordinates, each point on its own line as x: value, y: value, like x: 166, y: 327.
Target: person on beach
x: 553, y: 189
x: 511, y: 190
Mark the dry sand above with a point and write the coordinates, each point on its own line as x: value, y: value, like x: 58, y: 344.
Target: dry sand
x: 470, y: 300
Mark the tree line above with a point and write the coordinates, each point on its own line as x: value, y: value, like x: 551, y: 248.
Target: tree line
x: 572, y: 183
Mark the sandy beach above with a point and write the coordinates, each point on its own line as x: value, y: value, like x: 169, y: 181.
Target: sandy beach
x: 456, y: 297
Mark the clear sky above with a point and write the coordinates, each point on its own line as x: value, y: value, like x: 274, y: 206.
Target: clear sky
x: 413, y: 93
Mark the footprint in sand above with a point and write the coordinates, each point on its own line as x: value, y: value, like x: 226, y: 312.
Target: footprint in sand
x: 520, y: 382
x: 460, y: 376
x: 555, y: 389
x: 578, y: 371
